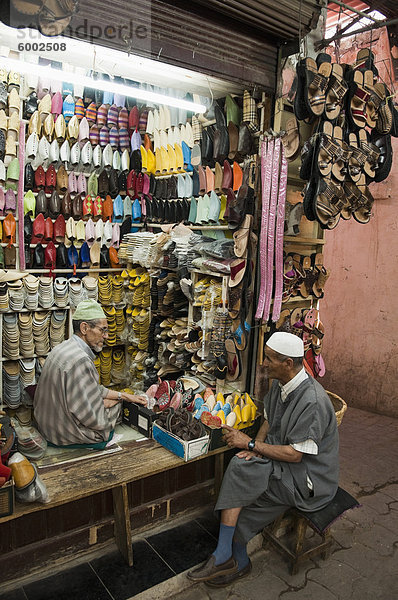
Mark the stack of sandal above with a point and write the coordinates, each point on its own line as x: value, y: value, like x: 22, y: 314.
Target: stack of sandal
x: 354, y: 118
x: 181, y: 423
x: 304, y: 275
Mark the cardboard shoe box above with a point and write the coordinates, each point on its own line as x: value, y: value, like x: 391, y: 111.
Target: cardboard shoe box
x: 183, y: 449
x: 139, y: 417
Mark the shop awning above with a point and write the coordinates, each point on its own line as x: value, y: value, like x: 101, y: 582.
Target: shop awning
x: 182, y: 34
x: 284, y: 20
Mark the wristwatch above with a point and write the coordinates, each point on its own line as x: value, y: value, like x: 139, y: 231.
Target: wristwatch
x: 119, y: 396
x: 251, y: 444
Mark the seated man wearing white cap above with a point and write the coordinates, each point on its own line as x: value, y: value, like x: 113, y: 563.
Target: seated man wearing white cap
x: 292, y: 462
x: 71, y: 408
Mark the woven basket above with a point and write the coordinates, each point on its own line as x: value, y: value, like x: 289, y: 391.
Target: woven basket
x: 339, y: 406
x: 7, y: 499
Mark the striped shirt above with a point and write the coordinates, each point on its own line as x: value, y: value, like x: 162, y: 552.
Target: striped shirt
x: 69, y: 401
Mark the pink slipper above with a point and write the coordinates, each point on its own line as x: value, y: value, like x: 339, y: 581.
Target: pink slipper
x: 151, y: 391
x: 175, y: 401
x: 320, y: 368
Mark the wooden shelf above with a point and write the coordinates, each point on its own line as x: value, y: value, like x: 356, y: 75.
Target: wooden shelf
x: 293, y: 239
x: 4, y: 359
x: 296, y: 181
x: 39, y: 309
x: 70, y: 271
x: 193, y: 227
x: 210, y: 273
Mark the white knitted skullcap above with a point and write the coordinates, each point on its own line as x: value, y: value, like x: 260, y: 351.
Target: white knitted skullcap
x: 286, y: 343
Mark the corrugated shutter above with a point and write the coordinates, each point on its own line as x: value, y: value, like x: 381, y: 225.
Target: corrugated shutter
x: 284, y: 19
x: 201, y: 40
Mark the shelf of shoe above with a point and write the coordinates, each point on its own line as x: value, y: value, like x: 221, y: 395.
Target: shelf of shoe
x: 297, y: 299
x: 295, y: 181
x: 193, y: 227
x: 211, y: 273
x: 39, y: 309
x: 3, y: 245
x: 293, y: 239
x: 4, y: 359
x: 87, y: 270
x: 174, y: 269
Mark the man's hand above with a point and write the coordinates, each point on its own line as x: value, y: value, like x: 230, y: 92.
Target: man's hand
x: 110, y: 403
x: 134, y: 398
x: 247, y: 454
x: 235, y: 438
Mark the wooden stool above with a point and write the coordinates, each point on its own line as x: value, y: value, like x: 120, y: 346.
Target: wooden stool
x: 296, y: 521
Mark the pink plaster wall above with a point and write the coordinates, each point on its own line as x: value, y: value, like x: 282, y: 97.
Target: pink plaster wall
x: 359, y: 309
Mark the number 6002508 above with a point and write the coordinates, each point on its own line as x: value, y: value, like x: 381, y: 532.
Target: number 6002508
x: 42, y: 46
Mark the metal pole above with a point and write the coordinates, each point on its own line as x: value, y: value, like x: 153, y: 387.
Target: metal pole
x: 324, y: 43
x: 358, y: 12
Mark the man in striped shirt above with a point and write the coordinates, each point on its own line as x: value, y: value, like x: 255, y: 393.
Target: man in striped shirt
x: 71, y: 408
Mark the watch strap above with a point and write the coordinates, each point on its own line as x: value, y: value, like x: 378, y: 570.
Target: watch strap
x: 251, y: 444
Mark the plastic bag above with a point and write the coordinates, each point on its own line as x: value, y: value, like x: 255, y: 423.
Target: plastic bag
x: 30, y: 442
x: 35, y: 492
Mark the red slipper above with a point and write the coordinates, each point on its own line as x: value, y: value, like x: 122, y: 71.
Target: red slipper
x: 163, y: 395
x: 211, y: 421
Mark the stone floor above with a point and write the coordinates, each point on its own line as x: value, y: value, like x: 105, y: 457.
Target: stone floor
x: 364, y: 561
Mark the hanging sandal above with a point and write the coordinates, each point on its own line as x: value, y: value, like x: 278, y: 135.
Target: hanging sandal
x: 371, y: 154
x: 316, y: 83
x: 335, y: 93
x: 341, y: 156
x: 361, y: 89
x: 291, y: 139
x: 357, y: 158
x: 328, y: 202
x: 327, y: 148
x: 384, y: 113
x: 323, y: 275
x: 318, y: 332
x: 363, y: 213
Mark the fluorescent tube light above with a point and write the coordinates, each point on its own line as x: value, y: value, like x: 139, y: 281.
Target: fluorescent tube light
x: 100, y: 84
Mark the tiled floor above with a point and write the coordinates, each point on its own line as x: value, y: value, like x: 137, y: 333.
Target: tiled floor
x: 156, y: 558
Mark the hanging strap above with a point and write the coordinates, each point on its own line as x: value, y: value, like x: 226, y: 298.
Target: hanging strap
x: 267, y: 150
x: 271, y: 228
x: 279, y: 238
x: 21, y: 158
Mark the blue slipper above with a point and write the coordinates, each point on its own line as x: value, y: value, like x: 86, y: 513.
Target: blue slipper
x: 118, y: 209
x: 85, y: 255
x: 68, y: 108
x: 73, y: 256
x: 241, y: 337
x: 136, y: 210
x: 186, y: 153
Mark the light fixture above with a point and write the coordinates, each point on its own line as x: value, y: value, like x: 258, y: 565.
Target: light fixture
x: 100, y: 84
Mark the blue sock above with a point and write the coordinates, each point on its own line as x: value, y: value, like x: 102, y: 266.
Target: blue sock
x: 239, y: 553
x: 224, y: 547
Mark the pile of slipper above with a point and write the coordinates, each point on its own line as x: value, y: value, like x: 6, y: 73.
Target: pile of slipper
x: 237, y: 410
x: 353, y: 117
